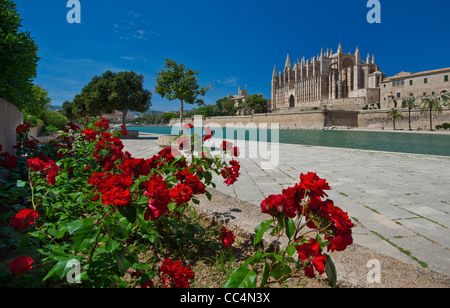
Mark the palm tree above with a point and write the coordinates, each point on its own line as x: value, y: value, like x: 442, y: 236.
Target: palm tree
x: 394, y: 114
x: 430, y: 104
x: 409, y: 103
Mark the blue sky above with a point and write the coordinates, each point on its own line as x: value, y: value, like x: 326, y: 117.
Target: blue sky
x: 230, y: 43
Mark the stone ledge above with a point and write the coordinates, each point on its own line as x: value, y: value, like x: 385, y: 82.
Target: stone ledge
x: 166, y: 141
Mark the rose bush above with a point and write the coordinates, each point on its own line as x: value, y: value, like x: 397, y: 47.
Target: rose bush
x: 308, y: 224
x: 82, y: 198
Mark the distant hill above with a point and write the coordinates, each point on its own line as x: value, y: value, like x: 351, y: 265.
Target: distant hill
x: 55, y: 108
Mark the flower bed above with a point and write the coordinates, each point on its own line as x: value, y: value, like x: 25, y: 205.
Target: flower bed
x: 81, y: 211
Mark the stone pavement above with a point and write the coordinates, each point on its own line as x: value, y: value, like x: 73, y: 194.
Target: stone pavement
x: 399, y: 202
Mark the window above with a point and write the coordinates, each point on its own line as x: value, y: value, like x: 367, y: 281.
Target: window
x: 432, y: 93
x: 411, y: 94
x: 399, y: 94
x: 424, y: 93
x: 410, y: 82
x: 446, y: 78
x: 425, y: 80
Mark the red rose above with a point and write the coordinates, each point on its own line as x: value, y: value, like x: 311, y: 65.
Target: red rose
x: 181, y: 193
x: 73, y: 127
x: 188, y: 126
x: 24, y: 218
x: 123, y: 130
x: 231, y: 174
x: 21, y: 265
x: 104, y: 123
x: 310, y: 254
x: 90, y: 134
x: 175, y: 275
x: 277, y: 206
x: 23, y: 128
x: 227, y: 237
x: 314, y: 184
x: 8, y: 162
x: 183, y: 143
x: 236, y: 151
x: 117, y: 196
x: 158, y: 192
x: 209, y: 134
x: 227, y: 146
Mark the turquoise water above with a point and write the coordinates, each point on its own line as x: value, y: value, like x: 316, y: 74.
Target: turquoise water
x: 431, y: 144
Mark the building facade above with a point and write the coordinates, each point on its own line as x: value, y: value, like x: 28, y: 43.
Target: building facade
x: 418, y: 85
x: 337, y: 79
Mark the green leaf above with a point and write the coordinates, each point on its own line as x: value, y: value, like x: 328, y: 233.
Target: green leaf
x: 85, y: 237
x: 72, y: 227
x: 129, y: 212
x: 21, y: 183
x: 330, y: 269
x: 290, y: 227
x: 265, y: 274
x: 290, y: 250
x: 60, y: 269
x: 260, y: 230
x: 281, y: 270
x: 242, y: 277
x: 111, y: 245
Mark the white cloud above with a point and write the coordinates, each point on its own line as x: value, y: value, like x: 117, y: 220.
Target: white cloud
x: 228, y: 81
x: 133, y: 26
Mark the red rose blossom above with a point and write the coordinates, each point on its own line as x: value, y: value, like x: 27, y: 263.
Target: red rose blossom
x: 227, y: 237
x: 175, y: 275
x: 310, y: 254
x: 21, y: 265
x: 24, y: 218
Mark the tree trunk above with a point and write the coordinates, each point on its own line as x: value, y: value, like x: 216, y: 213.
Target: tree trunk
x: 393, y: 120
x: 181, y: 115
x: 431, y: 121
x: 124, y: 117
x: 409, y: 116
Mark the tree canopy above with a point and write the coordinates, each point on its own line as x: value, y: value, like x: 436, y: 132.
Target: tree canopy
x: 123, y: 91
x: 18, y: 58
x: 176, y: 82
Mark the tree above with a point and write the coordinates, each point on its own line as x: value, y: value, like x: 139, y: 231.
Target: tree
x: 176, y: 82
x: 128, y: 94
x: 256, y: 103
x: 395, y: 114
x: 430, y: 104
x: 68, y: 110
x: 18, y: 58
x: 409, y: 103
x: 123, y: 91
x: 94, y: 97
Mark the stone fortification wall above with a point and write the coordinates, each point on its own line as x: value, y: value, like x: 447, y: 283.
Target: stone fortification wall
x: 378, y: 119
x: 375, y: 119
x: 10, y: 118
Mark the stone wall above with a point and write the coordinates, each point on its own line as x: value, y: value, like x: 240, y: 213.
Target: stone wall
x: 10, y: 118
x: 376, y: 119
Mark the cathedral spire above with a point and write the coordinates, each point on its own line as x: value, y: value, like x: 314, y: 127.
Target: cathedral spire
x: 357, y: 56
x: 368, y: 58
x: 274, y: 74
x: 339, y: 48
x: 373, y: 59
x: 288, y: 62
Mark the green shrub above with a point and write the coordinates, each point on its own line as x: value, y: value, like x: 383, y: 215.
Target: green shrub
x: 51, y: 129
x: 53, y: 118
